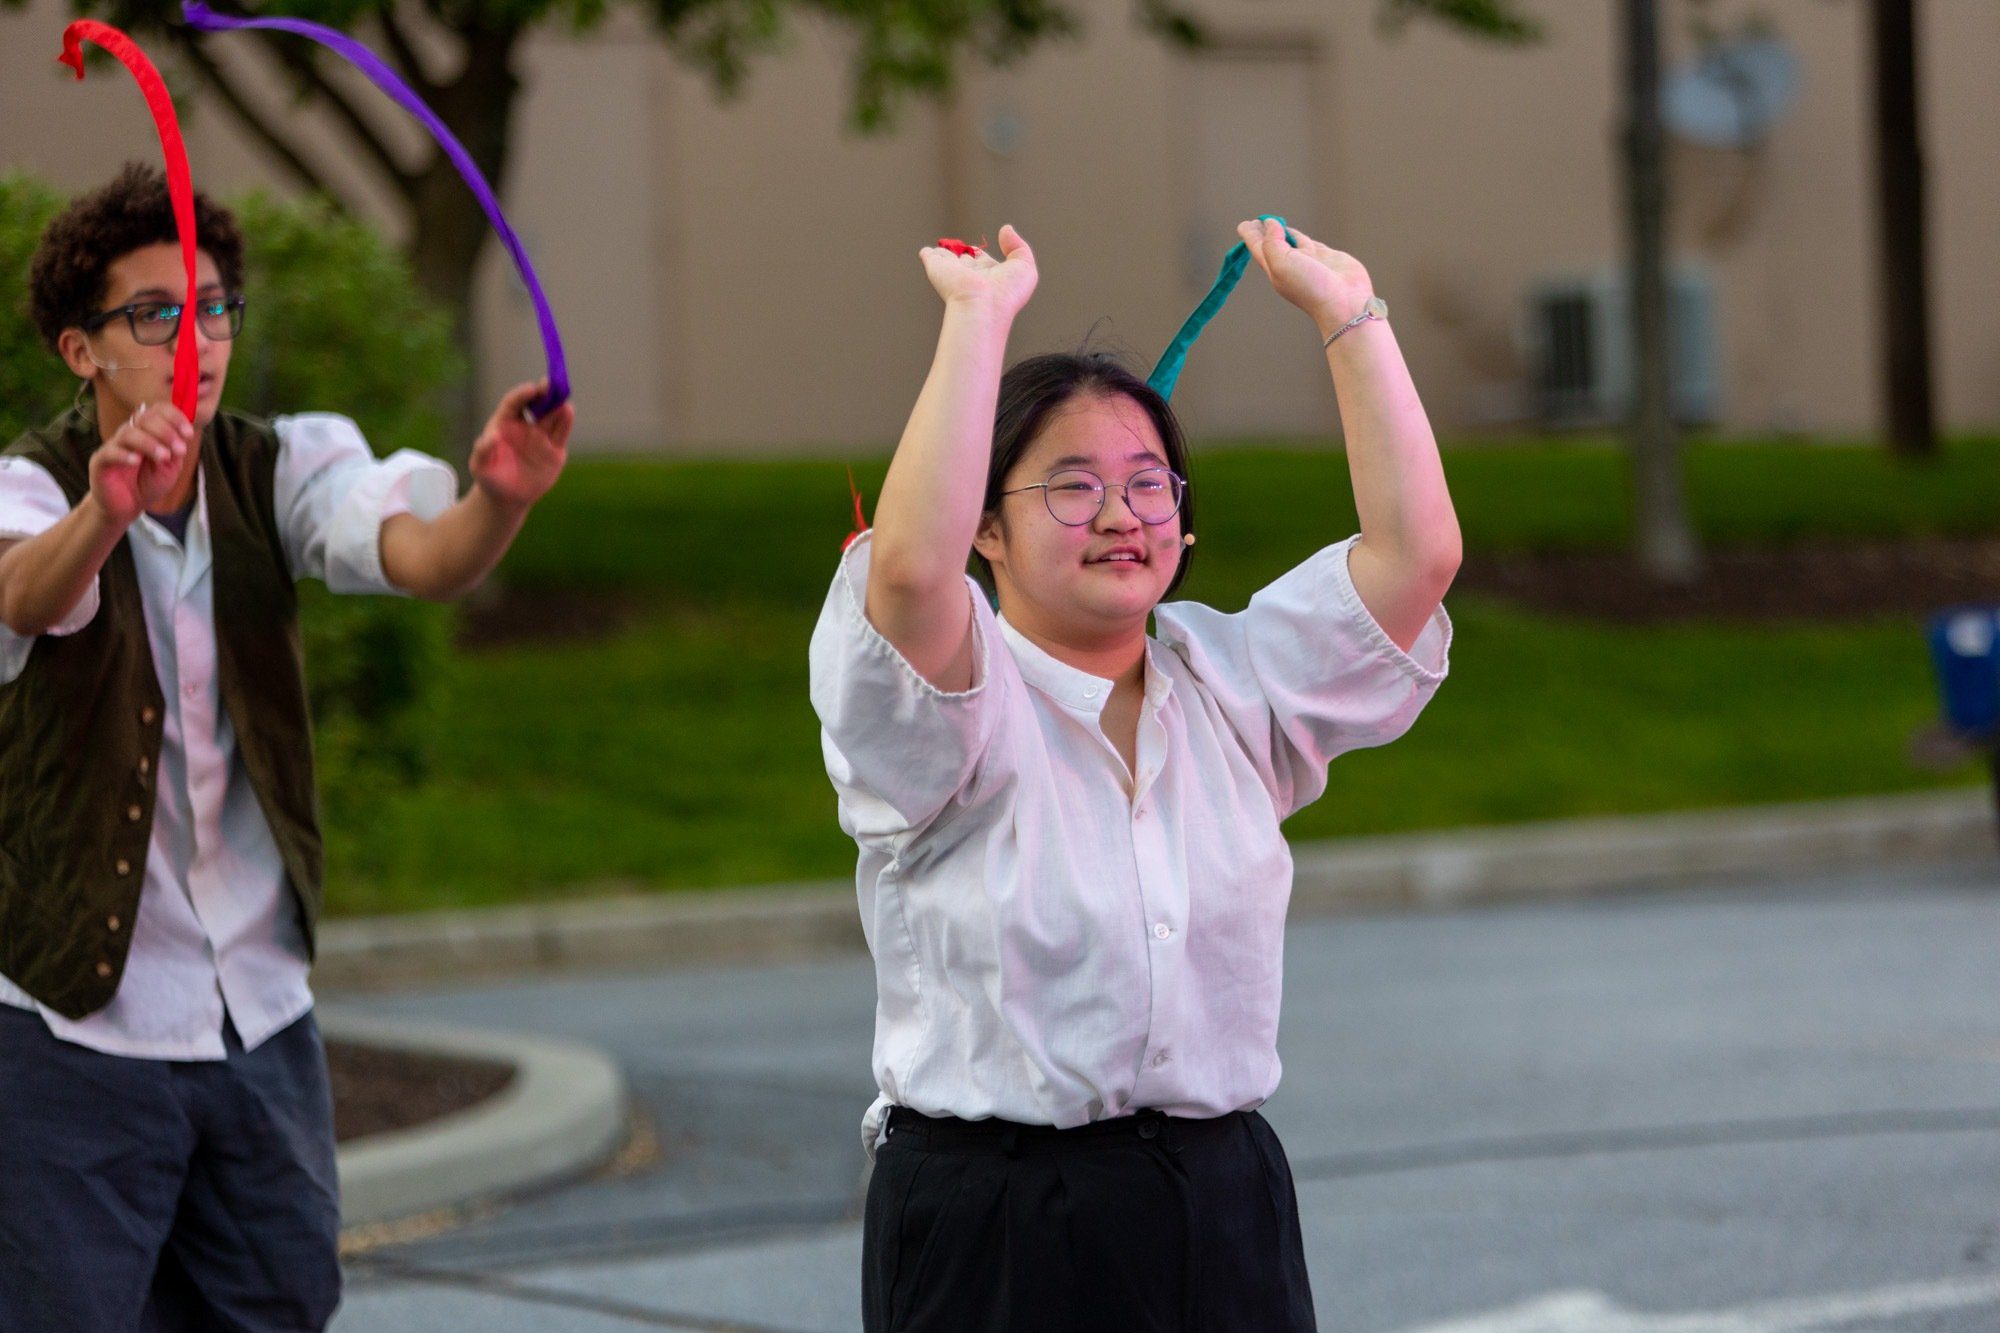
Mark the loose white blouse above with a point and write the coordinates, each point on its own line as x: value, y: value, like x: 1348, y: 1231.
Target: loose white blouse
x: 1059, y: 941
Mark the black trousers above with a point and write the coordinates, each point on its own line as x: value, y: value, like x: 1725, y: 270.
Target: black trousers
x: 1144, y: 1224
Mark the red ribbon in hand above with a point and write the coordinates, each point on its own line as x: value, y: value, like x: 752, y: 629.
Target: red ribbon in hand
x: 180, y: 184
x: 959, y: 248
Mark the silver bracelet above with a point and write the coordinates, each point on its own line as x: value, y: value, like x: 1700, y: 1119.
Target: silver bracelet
x: 1377, y: 308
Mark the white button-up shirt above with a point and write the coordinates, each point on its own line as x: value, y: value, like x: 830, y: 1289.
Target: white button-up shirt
x: 217, y: 928
x: 1057, y: 941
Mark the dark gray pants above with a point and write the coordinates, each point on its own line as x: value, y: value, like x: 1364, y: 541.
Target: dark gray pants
x: 1143, y: 1224
x: 166, y: 1195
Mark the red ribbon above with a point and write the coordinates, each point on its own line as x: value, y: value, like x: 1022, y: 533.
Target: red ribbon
x: 959, y: 248
x: 860, y: 519
x: 180, y: 183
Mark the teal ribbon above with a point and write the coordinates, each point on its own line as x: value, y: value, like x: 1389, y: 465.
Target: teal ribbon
x: 1168, y: 372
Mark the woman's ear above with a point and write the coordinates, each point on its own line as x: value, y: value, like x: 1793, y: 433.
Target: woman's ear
x: 990, y: 540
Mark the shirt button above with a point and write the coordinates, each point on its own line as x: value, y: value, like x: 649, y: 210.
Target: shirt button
x: 1161, y: 1059
x: 188, y: 690
x: 112, y: 923
x: 133, y: 812
x: 1163, y: 931
x: 124, y: 867
x: 103, y: 969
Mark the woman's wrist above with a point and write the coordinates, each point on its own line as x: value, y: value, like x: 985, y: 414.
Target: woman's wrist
x: 981, y: 307
x: 1332, y: 315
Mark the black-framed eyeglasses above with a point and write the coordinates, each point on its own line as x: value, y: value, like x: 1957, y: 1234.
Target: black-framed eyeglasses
x: 154, y: 323
x: 1076, y: 497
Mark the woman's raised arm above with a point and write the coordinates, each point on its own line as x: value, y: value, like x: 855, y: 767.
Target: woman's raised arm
x: 930, y: 504
x: 1410, y: 546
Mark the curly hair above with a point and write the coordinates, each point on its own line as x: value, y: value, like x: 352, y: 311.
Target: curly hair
x: 67, y: 280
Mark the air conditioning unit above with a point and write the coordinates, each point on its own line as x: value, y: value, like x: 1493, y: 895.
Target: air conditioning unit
x: 1580, y: 346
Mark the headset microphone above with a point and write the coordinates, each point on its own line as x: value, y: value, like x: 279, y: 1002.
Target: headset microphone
x: 111, y: 366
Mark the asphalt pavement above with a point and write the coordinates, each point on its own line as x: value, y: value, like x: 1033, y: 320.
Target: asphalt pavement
x: 1759, y: 1107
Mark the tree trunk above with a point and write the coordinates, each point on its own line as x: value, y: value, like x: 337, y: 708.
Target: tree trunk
x: 1900, y: 211
x: 1664, y: 541
x: 450, y: 230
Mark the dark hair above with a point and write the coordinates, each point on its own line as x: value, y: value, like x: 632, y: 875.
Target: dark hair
x: 1034, y: 389
x: 66, y: 282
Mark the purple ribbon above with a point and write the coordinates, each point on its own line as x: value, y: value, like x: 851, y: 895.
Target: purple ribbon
x: 204, y: 19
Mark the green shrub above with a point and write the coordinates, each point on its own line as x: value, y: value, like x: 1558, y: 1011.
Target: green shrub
x: 373, y: 667
x: 335, y: 323
x: 34, y: 383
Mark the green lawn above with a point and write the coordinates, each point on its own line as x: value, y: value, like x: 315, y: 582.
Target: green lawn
x: 683, y: 752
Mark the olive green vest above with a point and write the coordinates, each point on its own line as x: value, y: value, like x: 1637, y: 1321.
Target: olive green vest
x: 80, y: 728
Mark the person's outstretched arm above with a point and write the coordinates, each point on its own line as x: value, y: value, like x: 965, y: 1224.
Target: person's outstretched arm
x: 514, y: 463
x: 928, y: 512
x: 42, y: 578
x: 1410, y: 547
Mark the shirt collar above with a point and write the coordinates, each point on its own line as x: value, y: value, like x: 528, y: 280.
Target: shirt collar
x: 1072, y: 687
x: 195, y: 550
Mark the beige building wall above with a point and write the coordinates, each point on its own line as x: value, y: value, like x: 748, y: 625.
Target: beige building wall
x: 742, y: 275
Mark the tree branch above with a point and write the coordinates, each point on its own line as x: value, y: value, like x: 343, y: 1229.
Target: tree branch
x: 300, y: 62
x: 405, y: 52
x: 255, y: 121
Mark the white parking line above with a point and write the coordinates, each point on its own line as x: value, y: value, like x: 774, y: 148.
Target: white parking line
x: 1594, y: 1312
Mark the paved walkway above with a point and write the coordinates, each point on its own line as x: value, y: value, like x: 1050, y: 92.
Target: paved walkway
x: 1770, y: 1108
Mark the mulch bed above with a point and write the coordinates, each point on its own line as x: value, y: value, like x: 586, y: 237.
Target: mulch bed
x: 1823, y: 581
x: 376, y: 1089
x: 1844, y: 580
x: 503, y: 616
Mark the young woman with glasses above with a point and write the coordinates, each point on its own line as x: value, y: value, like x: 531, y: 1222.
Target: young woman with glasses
x: 1071, y: 870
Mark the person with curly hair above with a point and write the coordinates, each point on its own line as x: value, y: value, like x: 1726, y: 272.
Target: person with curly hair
x: 168, y: 1157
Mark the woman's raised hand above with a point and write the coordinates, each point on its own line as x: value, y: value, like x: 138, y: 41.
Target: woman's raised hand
x: 1003, y: 284
x: 1328, y: 284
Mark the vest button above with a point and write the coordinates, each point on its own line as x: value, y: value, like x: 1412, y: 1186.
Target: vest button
x: 145, y: 765
x: 104, y: 969
x: 146, y: 715
x: 112, y: 923
x: 124, y: 867
x: 133, y: 813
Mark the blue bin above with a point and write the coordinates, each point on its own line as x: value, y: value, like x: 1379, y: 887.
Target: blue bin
x: 1965, y: 649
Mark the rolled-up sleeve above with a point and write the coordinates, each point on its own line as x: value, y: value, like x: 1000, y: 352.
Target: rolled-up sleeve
x: 333, y: 495
x: 1304, y: 673
x: 30, y: 504
x: 897, y: 748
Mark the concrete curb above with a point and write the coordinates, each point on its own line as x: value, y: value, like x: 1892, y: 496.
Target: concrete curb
x: 1428, y: 870
x: 706, y: 926
x: 562, y: 1115
x: 1582, y: 856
